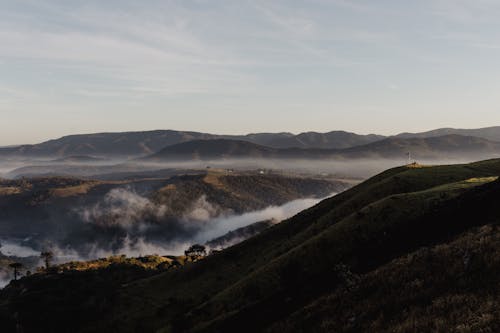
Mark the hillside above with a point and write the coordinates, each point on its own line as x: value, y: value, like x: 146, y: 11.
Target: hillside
x: 238, y: 235
x: 413, y: 248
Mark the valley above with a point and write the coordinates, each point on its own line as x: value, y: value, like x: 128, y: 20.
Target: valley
x: 249, y: 166
x: 88, y: 219
x: 398, y: 229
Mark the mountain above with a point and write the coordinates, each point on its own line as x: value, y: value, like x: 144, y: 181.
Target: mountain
x: 330, y: 140
x: 128, y: 144
x: 213, y: 149
x: 448, y: 146
x: 488, y: 133
x: 134, y: 144
x: 415, y: 248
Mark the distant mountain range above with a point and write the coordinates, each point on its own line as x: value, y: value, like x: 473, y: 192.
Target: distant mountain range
x: 140, y: 144
x: 134, y: 144
x: 448, y: 146
x: 329, y: 140
x: 489, y: 133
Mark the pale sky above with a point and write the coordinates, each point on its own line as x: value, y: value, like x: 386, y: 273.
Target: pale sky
x: 246, y: 66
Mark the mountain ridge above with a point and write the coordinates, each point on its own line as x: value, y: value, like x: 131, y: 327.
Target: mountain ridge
x: 450, y: 146
x: 490, y: 133
x: 134, y: 144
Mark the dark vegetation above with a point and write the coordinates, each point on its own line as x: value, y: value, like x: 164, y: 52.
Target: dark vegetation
x: 74, y: 285
x: 448, y: 287
x: 411, y: 249
x: 242, y: 192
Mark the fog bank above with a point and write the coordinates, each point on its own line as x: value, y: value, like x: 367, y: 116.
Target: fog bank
x: 126, y: 207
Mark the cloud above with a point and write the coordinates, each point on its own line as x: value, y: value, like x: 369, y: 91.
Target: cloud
x: 124, y: 208
x: 201, y: 210
x: 128, y: 223
x: 13, y: 248
x: 221, y: 225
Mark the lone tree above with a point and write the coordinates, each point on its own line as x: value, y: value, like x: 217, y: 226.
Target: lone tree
x: 16, y: 266
x: 47, y: 256
x: 196, y: 250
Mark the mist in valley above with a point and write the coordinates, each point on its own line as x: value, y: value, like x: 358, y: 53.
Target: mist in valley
x: 129, y: 224
x: 117, y: 168
x: 127, y: 220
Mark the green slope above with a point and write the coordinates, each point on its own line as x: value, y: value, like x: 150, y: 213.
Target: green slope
x: 452, y: 285
x: 255, y: 267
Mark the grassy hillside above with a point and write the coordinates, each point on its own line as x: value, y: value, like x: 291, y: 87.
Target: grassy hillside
x: 354, y: 245
x: 450, y: 286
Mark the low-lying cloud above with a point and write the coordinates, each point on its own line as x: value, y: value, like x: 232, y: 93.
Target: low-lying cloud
x: 201, y: 210
x: 221, y: 225
x: 122, y: 207
x: 14, y: 248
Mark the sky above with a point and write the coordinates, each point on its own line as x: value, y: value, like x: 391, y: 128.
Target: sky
x: 234, y: 67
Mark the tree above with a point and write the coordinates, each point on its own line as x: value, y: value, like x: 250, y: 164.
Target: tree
x: 196, y: 250
x: 47, y: 256
x: 16, y: 266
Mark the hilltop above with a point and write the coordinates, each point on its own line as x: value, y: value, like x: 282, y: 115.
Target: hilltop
x: 413, y: 248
